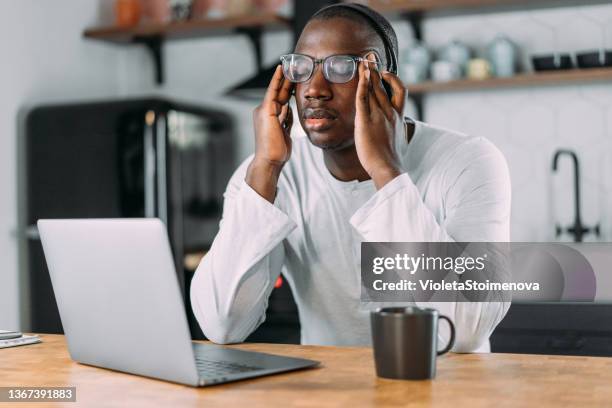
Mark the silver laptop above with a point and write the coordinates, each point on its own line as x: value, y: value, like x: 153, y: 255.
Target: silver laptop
x: 121, y: 307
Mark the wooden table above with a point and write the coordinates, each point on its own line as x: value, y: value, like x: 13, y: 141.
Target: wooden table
x: 346, y: 379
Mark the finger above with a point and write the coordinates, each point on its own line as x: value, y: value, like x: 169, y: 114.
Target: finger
x: 282, y: 117
x: 373, y: 101
x: 285, y: 92
x: 288, y: 140
x: 274, y: 87
x: 362, y: 97
x: 288, y: 123
x: 378, y: 89
x: 285, y: 117
x: 398, y: 98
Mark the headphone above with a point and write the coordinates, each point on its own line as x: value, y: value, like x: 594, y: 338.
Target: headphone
x: 377, y: 22
x: 371, y: 16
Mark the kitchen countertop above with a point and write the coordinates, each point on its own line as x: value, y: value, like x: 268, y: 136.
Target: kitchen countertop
x: 346, y: 377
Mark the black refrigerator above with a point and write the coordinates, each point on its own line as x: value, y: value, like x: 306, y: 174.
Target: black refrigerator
x: 127, y: 158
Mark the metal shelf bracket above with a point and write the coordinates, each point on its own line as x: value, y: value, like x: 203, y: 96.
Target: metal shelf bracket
x: 415, y: 18
x: 254, y: 35
x: 154, y: 45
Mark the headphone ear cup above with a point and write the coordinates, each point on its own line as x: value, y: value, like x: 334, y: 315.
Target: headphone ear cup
x: 388, y: 90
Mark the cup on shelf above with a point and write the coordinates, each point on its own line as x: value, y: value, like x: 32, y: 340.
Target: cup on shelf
x: 127, y: 12
x: 444, y: 71
x: 479, y: 69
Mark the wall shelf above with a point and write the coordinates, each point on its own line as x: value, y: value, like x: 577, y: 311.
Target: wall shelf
x: 574, y: 76
x: 471, y: 6
x: 152, y: 35
x: 521, y: 80
x: 185, y: 29
x: 415, y: 11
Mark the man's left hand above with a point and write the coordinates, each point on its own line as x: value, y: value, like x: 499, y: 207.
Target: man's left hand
x: 378, y: 121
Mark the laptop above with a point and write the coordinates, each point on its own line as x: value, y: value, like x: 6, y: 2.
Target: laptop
x: 121, y: 307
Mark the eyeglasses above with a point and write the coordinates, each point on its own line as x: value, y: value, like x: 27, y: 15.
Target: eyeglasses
x: 338, y: 69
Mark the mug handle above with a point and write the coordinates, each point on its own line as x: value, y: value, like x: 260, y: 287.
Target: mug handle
x: 451, y: 341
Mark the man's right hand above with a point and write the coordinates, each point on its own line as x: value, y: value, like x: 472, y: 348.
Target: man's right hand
x: 272, y: 121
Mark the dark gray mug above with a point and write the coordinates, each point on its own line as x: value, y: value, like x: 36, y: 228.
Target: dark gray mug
x: 405, y: 342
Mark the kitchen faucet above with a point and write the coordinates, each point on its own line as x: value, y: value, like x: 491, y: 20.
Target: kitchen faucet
x: 578, y: 230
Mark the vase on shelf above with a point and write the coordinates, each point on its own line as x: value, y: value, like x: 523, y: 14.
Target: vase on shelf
x: 479, y: 69
x: 458, y: 53
x: 180, y: 10
x: 127, y: 12
x: 210, y: 9
x: 502, y: 55
x: 157, y: 11
x: 271, y: 6
x: 415, y: 63
x: 200, y: 8
x: 240, y: 7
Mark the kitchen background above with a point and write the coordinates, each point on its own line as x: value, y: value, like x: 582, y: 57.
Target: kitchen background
x: 47, y: 60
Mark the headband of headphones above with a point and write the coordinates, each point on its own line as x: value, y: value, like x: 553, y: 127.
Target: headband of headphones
x: 373, y: 17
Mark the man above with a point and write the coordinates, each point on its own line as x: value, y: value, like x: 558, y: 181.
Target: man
x: 363, y: 173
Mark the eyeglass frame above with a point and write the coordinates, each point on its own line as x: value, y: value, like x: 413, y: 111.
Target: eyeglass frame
x: 321, y: 61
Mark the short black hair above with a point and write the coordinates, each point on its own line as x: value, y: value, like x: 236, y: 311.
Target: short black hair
x: 362, y: 14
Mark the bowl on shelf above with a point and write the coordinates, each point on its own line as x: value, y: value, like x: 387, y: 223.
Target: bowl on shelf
x: 552, y: 62
x: 594, y: 59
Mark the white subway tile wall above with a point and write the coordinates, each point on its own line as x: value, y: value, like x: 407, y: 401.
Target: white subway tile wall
x: 530, y: 124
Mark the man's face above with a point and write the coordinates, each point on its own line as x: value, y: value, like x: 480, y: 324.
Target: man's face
x: 327, y: 110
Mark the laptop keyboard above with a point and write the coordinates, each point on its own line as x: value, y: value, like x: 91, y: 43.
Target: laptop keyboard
x: 215, y: 369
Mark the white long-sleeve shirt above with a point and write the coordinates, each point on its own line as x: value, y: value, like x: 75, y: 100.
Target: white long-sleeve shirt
x: 454, y: 187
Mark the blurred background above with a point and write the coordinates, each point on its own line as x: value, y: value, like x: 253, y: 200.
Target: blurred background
x: 131, y: 108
